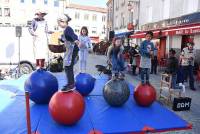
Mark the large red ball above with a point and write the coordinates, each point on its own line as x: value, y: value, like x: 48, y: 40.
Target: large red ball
x: 67, y: 107
x: 145, y: 95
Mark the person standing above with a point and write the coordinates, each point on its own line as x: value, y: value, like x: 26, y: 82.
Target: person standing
x: 85, y: 46
x: 146, y: 52
x: 187, y: 63
x: 154, y: 60
x: 172, y: 69
x: 71, y: 44
x: 116, y: 59
x: 39, y: 30
x: 133, y: 55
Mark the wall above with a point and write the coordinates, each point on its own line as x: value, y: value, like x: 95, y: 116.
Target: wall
x: 97, y: 25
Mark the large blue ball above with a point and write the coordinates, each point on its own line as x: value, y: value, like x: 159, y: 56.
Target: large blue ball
x: 41, y: 86
x: 84, y: 83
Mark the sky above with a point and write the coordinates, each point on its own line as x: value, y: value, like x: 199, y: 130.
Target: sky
x: 96, y: 3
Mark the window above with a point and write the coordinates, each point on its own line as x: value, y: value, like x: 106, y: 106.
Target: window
x: 192, y: 6
x: 166, y: 9
x: 0, y: 12
x: 122, y: 2
x: 199, y: 6
x: 149, y: 14
x: 6, y: 1
x: 7, y: 12
x: 22, y: 1
x: 77, y: 15
x: 33, y: 1
x: 86, y: 17
x: 56, y: 3
x: 7, y: 24
x: 46, y: 2
x: 94, y: 30
x: 116, y: 22
x: 104, y: 29
x: 77, y: 31
x: 117, y: 5
x: 103, y: 18
x: 94, y: 17
x: 122, y: 20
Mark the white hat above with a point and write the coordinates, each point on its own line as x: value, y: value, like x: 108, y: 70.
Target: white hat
x: 40, y: 11
x: 64, y: 17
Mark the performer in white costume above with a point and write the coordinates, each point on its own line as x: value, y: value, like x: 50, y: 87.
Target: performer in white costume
x: 38, y: 30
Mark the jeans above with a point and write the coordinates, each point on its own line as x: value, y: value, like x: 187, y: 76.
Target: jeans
x: 69, y: 70
x: 134, y: 69
x: 145, y: 71
x: 83, y: 53
x: 117, y: 64
x: 174, y: 84
x: 154, y: 63
x: 188, y: 70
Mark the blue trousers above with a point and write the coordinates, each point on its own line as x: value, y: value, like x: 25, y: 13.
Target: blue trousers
x: 144, y: 71
x: 188, y: 71
x: 118, y: 64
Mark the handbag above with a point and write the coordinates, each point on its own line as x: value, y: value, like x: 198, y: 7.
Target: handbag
x: 182, y: 104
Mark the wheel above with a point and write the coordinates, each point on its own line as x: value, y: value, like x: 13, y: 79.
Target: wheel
x: 25, y: 68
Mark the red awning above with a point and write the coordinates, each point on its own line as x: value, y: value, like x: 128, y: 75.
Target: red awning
x: 94, y: 39
x: 184, y: 30
x: 142, y: 34
x: 175, y: 30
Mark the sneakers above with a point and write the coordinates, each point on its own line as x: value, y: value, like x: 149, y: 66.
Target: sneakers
x: 68, y: 88
x: 147, y: 82
x: 114, y: 76
x: 194, y: 89
x: 118, y: 76
x: 121, y: 76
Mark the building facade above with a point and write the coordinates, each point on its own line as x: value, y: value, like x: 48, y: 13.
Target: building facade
x: 123, y: 17
x: 173, y: 22
x: 19, y: 12
x: 110, y: 17
x: 94, y: 18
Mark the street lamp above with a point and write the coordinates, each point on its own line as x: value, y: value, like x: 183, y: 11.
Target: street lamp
x: 130, y: 6
x: 130, y: 9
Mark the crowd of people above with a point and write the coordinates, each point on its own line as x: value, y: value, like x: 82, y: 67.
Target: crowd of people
x: 74, y: 45
x: 147, y: 52
x: 180, y: 67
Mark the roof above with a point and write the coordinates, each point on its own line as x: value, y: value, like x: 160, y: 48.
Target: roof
x: 88, y: 8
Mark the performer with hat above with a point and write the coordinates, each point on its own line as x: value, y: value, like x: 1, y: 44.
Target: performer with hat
x: 38, y: 30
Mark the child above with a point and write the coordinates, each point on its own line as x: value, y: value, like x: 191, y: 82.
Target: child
x: 134, y: 54
x: 70, y: 40
x: 115, y: 58
x: 172, y: 69
x: 146, y: 51
x: 85, y: 44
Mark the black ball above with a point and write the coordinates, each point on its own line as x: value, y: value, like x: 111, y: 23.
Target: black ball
x: 116, y: 92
